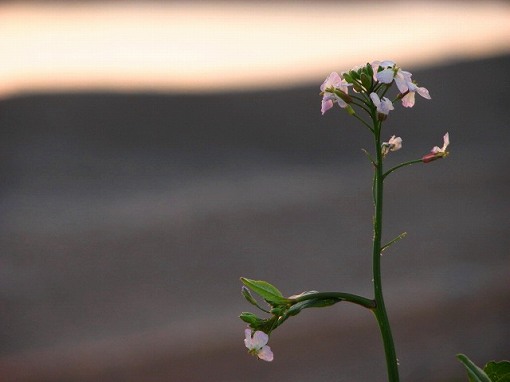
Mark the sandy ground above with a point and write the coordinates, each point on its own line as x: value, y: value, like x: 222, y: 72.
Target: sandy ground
x: 127, y: 220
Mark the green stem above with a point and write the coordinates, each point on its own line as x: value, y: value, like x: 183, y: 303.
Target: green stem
x: 380, y: 310
x: 354, y: 298
x: 363, y: 122
x: 401, y: 165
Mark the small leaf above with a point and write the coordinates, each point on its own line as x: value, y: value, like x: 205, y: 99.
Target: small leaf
x: 247, y: 295
x: 267, y: 291
x: 369, y: 70
x: 354, y: 75
x: 250, y: 318
x: 498, y: 371
x: 314, y: 303
x: 475, y: 374
x: 295, y: 296
x: 399, y: 237
x: 348, y: 78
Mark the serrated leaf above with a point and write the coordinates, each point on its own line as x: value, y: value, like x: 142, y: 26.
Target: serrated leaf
x: 475, y: 374
x: 267, y: 291
x: 498, y: 371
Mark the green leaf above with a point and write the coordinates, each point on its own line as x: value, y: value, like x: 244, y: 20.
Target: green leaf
x: 399, y: 237
x: 267, y: 291
x: 354, y: 74
x: 369, y: 70
x: 247, y: 295
x: 348, y: 78
x: 498, y: 371
x: 250, y: 318
x: 475, y: 374
x: 314, y: 303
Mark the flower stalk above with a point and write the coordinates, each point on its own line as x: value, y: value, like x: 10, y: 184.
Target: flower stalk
x: 380, y: 310
x: 370, y: 84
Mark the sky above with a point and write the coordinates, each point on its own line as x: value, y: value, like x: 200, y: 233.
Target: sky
x: 229, y: 46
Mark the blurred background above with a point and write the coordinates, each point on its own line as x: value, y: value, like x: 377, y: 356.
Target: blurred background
x: 151, y: 153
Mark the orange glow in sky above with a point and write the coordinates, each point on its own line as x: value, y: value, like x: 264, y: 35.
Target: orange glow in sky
x: 207, y: 46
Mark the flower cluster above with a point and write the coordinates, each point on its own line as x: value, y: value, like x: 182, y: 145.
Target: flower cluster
x: 370, y: 84
x: 373, y: 80
x: 407, y: 87
x: 334, y: 89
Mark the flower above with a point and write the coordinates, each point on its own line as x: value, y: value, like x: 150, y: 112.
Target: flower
x: 437, y: 152
x: 333, y: 82
x: 383, y: 105
x: 394, y: 144
x: 408, y: 99
x: 406, y: 86
x: 387, y: 74
x: 257, y: 345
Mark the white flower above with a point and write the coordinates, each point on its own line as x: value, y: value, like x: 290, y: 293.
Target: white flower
x: 387, y: 74
x: 394, y: 144
x: 257, y: 344
x: 335, y: 81
x: 383, y: 105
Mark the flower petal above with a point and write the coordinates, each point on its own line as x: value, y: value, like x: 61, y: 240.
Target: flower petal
x: 408, y: 100
x: 333, y: 80
x: 259, y: 339
x: 247, y: 339
x: 265, y: 354
x: 423, y: 92
x: 375, y: 99
x: 385, y: 76
x: 327, y: 104
x: 446, y: 141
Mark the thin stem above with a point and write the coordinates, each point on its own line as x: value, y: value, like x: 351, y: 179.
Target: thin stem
x: 363, y: 121
x: 361, y: 105
x: 354, y: 298
x: 380, y: 310
x: 401, y: 165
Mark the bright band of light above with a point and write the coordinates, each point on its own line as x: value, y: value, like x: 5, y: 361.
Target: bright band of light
x: 202, y: 47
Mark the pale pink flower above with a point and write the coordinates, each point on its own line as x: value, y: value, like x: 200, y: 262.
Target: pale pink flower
x: 257, y: 344
x: 394, y: 144
x: 437, y: 152
x: 446, y: 143
x: 402, y: 79
x: 329, y: 98
x: 408, y: 99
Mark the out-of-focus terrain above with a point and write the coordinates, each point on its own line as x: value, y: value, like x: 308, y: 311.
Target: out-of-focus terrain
x: 127, y: 220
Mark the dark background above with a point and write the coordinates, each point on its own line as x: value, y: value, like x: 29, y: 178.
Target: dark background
x: 127, y: 220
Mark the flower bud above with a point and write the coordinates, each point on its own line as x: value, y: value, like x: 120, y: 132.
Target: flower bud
x: 381, y: 116
x: 247, y: 295
x: 350, y: 110
x: 366, y: 81
x: 344, y: 96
